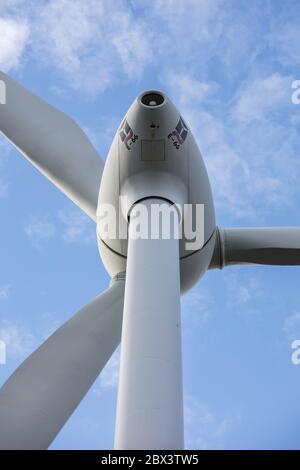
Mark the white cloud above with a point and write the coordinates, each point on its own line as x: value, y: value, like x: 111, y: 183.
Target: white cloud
x: 183, y: 24
x: 284, y: 40
x: 175, y: 12
x: 132, y: 41
x: 90, y: 45
x: 241, y: 289
x: 39, y: 231
x: 228, y: 172
x: 125, y: 37
x: 92, y: 42
x: 4, y: 292
x: 291, y: 326
x: 13, y: 40
x: 117, y: 36
x: 262, y: 96
x: 197, y: 307
x: 188, y: 90
x: 19, y: 340
x: 102, y: 135
x: 109, y: 376
x: 77, y: 227
x: 229, y: 175
x: 252, y: 164
x: 72, y: 224
x: 203, y: 429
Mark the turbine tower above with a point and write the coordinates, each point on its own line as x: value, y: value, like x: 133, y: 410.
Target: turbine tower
x: 153, y: 164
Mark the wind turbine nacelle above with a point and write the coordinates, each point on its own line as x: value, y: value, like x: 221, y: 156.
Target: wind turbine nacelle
x: 154, y: 155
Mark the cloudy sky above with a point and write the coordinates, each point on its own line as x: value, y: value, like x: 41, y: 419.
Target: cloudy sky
x: 228, y: 66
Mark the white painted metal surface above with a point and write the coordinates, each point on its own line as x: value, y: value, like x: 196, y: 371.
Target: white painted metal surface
x: 150, y: 405
x: 257, y: 245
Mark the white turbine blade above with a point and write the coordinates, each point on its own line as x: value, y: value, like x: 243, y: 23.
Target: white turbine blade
x: 271, y: 246
x: 43, y: 392
x: 53, y: 143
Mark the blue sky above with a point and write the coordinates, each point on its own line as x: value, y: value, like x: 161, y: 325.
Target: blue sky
x: 228, y: 66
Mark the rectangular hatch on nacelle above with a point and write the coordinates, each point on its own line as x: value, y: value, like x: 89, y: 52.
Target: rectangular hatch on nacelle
x: 153, y: 150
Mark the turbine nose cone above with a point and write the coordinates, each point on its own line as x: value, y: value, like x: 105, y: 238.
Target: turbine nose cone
x: 152, y: 99
x: 152, y: 116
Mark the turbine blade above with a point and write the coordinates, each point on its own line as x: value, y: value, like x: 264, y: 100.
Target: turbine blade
x: 53, y: 143
x: 271, y: 246
x: 43, y: 392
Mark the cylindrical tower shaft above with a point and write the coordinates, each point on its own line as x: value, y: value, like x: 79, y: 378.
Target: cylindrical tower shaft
x: 150, y: 403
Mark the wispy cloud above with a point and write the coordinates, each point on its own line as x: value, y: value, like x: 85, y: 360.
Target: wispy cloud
x: 122, y: 38
x: 250, y: 152
x: 72, y: 225
x: 14, y: 38
x: 262, y: 96
x: 291, y: 327
x: 284, y: 38
x: 77, y: 227
x: 39, y: 231
x: 4, y: 292
x: 19, y: 340
x: 188, y: 90
x: 110, y: 38
x: 203, y: 429
x: 89, y: 45
x: 197, y: 307
x: 188, y: 30
x: 242, y: 289
x: 109, y: 376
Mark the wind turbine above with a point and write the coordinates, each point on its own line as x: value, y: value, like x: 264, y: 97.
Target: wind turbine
x: 153, y: 160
